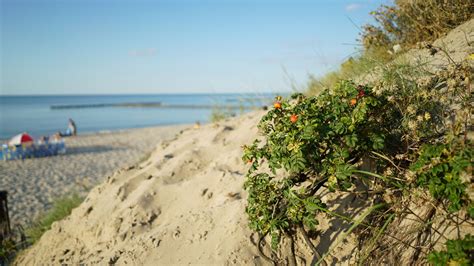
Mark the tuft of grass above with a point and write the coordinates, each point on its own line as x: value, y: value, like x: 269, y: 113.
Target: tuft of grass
x: 239, y: 106
x: 62, y: 207
x: 145, y: 157
x: 7, y: 250
x: 373, y: 241
x: 351, y: 69
x: 408, y: 22
x: 220, y: 113
x: 356, y: 223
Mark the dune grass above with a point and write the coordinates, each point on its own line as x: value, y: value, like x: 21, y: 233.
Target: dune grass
x: 15, y: 244
x: 62, y: 207
x: 405, y: 23
x: 220, y: 113
x: 352, y: 68
x: 7, y: 249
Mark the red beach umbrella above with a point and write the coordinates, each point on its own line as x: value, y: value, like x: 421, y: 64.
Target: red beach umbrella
x: 20, y: 139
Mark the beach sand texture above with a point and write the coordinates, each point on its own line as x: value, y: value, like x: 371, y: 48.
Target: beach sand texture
x: 186, y: 199
x: 32, y: 184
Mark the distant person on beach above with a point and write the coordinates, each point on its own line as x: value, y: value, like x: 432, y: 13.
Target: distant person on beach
x: 71, y: 129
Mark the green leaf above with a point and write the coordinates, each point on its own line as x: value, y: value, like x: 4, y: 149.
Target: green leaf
x: 351, y: 140
x: 378, y: 141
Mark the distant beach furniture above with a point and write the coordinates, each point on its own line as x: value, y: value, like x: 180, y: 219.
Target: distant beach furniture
x: 32, y: 150
x: 19, y: 139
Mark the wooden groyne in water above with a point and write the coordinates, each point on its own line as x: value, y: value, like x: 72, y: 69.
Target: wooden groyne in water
x: 100, y: 105
x: 152, y: 105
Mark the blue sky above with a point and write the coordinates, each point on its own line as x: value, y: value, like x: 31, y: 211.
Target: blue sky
x: 140, y: 46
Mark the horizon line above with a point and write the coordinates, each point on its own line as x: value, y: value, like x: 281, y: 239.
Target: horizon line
x: 131, y: 94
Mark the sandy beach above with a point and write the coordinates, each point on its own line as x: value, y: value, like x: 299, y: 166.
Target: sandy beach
x: 33, y: 184
x: 186, y: 198
x: 184, y: 204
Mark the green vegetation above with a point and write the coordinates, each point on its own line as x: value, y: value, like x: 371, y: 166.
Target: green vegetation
x: 242, y: 104
x: 412, y: 125
x: 407, y: 23
x: 440, y: 168
x: 7, y: 249
x: 10, y: 246
x: 458, y: 252
x: 62, y: 207
x: 352, y: 68
x: 220, y: 113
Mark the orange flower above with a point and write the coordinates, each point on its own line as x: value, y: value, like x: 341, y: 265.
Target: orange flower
x: 249, y: 161
x: 293, y: 118
x: 353, y: 102
x: 277, y: 105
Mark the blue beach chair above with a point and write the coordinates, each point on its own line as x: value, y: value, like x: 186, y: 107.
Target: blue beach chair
x: 35, y: 150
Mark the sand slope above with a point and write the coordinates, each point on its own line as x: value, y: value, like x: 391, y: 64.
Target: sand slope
x: 184, y: 205
x: 455, y: 46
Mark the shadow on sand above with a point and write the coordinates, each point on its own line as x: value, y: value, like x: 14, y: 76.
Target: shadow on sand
x: 91, y: 149
x: 348, y: 204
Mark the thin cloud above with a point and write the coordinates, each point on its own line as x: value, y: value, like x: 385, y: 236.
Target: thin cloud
x: 353, y: 7
x: 150, y: 52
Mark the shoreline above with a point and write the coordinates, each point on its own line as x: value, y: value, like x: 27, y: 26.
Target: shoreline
x: 117, y: 130
x: 33, y: 184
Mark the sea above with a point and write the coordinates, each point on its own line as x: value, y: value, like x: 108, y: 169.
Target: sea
x: 35, y: 115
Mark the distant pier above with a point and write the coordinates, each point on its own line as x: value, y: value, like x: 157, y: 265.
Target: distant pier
x: 151, y: 105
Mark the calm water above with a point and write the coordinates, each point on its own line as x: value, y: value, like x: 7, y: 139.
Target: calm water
x: 34, y: 115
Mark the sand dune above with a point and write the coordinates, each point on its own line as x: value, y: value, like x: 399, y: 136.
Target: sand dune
x: 185, y: 204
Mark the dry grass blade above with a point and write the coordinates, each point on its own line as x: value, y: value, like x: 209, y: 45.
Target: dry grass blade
x: 357, y: 222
